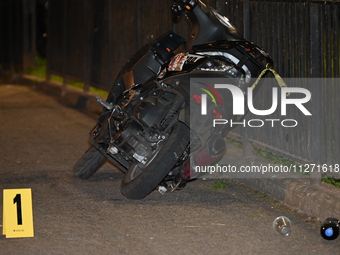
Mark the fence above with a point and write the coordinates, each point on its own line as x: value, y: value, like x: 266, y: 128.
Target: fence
x: 89, y: 40
x: 303, y: 39
x: 17, y: 30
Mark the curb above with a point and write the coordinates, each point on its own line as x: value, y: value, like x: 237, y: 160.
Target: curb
x: 316, y: 199
x: 68, y: 95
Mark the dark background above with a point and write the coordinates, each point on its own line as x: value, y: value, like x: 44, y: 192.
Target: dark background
x: 89, y: 40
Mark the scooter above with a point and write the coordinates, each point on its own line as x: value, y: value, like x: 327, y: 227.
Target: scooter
x: 149, y: 127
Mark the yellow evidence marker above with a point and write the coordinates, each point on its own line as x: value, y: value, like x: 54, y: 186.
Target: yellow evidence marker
x: 17, y: 220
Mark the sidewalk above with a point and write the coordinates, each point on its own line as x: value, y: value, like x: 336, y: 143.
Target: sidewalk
x: 316, y: 199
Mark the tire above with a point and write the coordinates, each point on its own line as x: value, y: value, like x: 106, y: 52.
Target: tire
x: 149, y: 176
x: 89, y: 163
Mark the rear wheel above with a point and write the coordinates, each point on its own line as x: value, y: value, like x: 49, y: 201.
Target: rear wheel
x: 141, y: 179
x: 89, y: 163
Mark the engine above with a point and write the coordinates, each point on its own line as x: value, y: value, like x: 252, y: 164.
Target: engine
x: 138, y: 126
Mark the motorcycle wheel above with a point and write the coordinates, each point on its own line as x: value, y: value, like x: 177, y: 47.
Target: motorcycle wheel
x: 141, y: 179
x: 89, y: 163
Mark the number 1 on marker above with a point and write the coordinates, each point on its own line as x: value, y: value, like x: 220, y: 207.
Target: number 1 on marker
x: 17, y: 200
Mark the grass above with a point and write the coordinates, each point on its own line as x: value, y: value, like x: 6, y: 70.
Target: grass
x: 234, y: 142
x: 219, y: 184
x: 334, y: 182
x: 39, y: 69
x: 274, y: 158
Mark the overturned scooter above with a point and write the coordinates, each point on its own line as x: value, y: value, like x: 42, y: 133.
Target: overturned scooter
x: 147, y: 128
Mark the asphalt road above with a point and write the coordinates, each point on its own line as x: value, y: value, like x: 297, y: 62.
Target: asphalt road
x: 40, y: 141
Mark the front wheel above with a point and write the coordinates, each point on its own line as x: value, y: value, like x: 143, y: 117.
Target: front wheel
x: 89, y: 163
x: 141, y: 179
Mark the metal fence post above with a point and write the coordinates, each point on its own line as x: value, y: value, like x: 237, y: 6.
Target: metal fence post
x: 65, y: 46
x: 97, y: 41
x: 86, y: 87
x: 246, y: 131
x: 139, y: 27
x: 110, y: 76
x: 48, y: 69
x: 315, y: 64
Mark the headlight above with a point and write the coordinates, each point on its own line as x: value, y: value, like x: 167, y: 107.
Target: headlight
x: 216, y: 65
